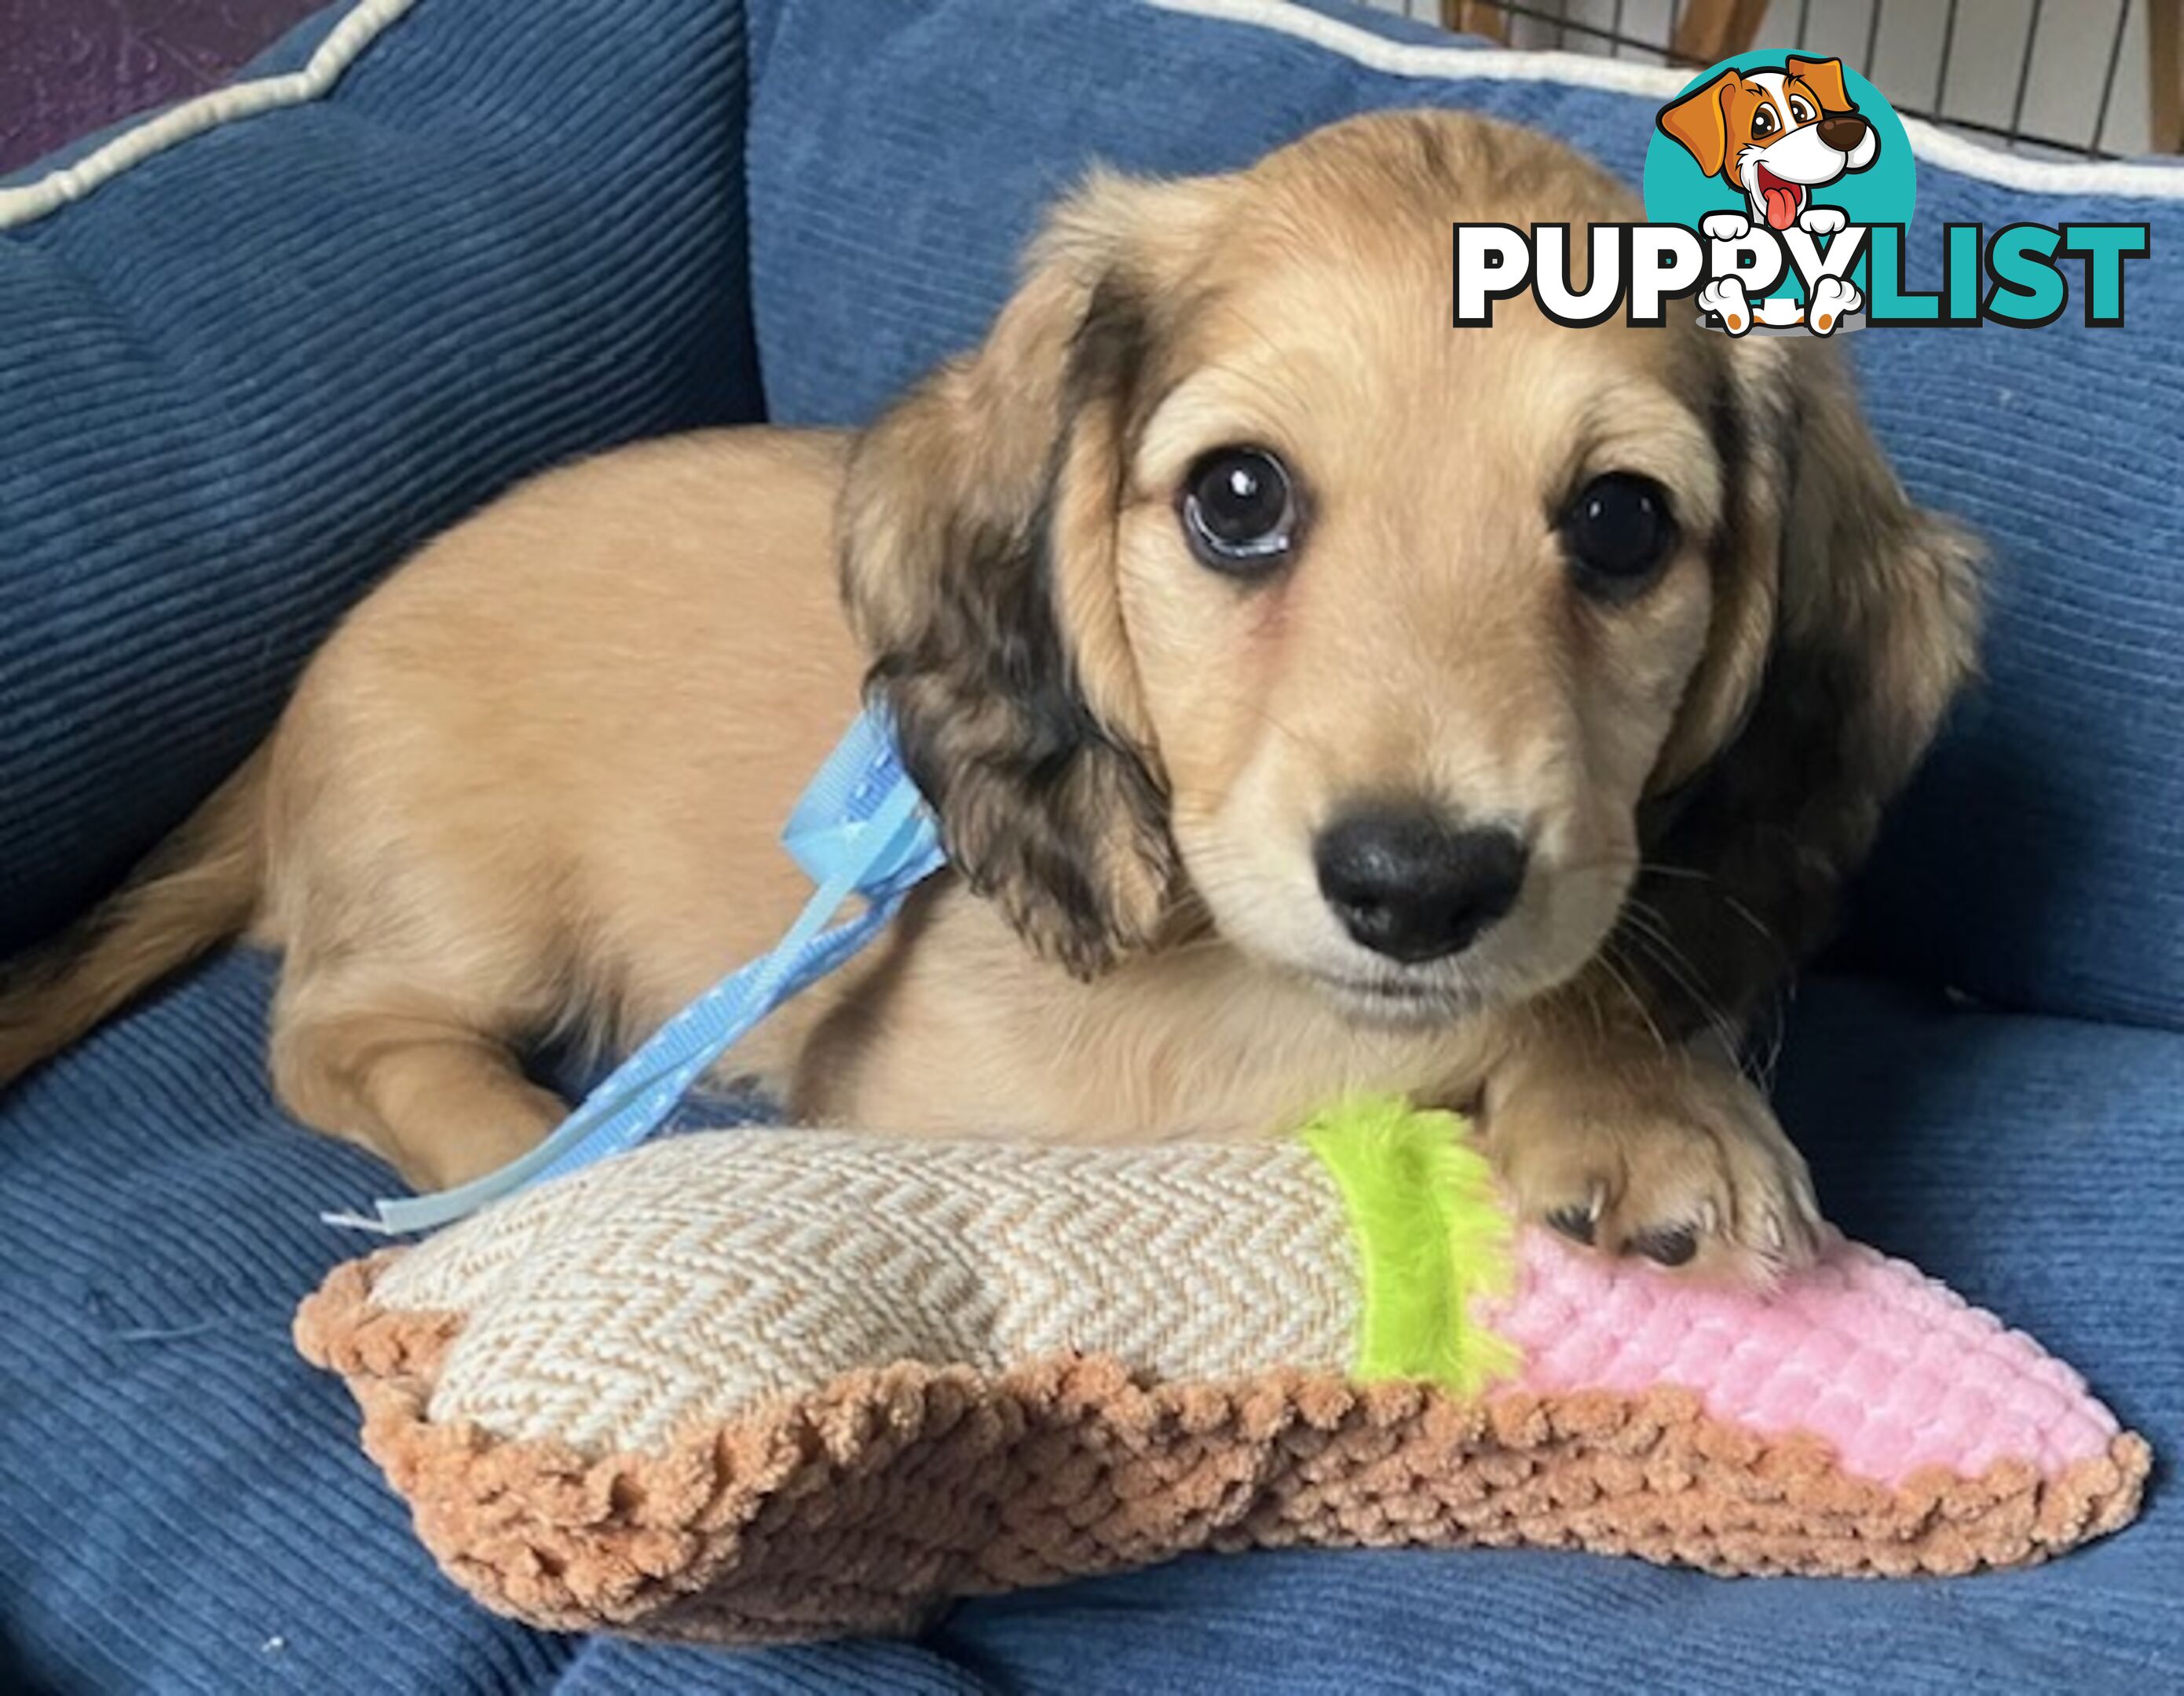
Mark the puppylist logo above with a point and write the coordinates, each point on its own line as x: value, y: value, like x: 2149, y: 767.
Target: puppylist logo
x: 1778, y: 197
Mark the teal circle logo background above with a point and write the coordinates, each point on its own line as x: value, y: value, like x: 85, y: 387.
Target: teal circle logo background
x: 1678, y: 193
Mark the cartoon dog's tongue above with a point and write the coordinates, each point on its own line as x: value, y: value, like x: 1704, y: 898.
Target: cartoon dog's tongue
x: 1781, y: 198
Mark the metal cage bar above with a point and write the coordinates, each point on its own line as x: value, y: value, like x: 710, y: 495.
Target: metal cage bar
x: 1701, y: 32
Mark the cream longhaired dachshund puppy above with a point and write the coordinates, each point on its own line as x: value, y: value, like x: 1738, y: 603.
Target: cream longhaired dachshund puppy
x: 1315, y: 698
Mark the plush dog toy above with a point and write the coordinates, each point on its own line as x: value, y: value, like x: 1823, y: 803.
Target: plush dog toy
x: 769, y: 1384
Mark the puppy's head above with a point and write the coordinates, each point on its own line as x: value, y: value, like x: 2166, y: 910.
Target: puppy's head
x: 1776, y: 135
x: 1227, y: 585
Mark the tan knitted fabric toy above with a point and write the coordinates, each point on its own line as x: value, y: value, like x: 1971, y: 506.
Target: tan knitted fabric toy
x: 762, y: 1384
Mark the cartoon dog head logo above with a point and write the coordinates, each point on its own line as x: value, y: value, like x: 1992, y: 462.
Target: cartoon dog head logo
x: 1776, y: 135
x: 1784, y: 163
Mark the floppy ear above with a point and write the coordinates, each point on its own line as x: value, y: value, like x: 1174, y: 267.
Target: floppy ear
x: 1700, y: 120
x: 1825, y: 77
x: 1747, y: 582
x: 1872, y: 609
x: 978, y: 532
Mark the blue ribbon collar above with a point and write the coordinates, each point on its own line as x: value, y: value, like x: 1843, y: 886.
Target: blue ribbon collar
x: 861, y: 829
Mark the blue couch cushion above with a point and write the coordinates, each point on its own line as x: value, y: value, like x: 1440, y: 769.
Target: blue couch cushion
x: 243, y: 379
x: 899, y: 157
x: 536, y: 212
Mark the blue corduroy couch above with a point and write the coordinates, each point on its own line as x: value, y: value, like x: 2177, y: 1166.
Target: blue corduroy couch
x: 240, y: 380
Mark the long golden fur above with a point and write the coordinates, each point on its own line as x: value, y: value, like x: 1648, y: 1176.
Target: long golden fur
x: 531, y: 785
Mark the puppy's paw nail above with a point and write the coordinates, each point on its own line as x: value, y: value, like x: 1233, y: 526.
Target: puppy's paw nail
x: 1777, y: 1239
x: 1582, y: 1224
x: 1666, y: 1245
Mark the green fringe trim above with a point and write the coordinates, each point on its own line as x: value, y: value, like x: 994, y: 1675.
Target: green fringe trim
x: 1431, y: 1235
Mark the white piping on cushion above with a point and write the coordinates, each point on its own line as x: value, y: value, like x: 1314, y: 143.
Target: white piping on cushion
x: 1456, y: 63
x: 29, y: 202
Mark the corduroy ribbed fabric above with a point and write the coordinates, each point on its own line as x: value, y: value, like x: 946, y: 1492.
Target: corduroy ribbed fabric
x: 240, y: 382
x: 182, y: 1507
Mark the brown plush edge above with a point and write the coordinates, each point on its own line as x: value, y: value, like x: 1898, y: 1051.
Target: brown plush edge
x: 860, y: 1506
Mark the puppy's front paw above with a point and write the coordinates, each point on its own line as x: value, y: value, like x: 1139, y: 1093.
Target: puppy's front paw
x: 1725, y: 226
x: 1822, y: 221
x: 1681, y: 1162
x: 1726, y: 300
x: 1832, y: 300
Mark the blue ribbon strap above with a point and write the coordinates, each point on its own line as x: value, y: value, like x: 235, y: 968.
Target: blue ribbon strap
x: 859, y: 830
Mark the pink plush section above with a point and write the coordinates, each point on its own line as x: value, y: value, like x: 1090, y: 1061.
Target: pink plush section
x: 1894, y: 1371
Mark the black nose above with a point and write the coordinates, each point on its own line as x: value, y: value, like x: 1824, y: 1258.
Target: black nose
x: 1843, y: 131
x: 1408, y: 883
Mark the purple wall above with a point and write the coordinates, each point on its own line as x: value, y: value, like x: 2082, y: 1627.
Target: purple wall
x: 69, y: 66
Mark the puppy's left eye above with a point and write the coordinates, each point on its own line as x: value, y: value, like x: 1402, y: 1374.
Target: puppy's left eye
x: 1800, y: 109
x: 1618, y: 532
x: 1238, y: 508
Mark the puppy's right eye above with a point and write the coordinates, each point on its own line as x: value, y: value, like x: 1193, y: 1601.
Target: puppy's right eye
x: 1239, y: 511
x: 1618, y: 532
x: 1763, y: 123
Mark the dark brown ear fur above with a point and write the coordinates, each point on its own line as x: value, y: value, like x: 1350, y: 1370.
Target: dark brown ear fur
x: 977, y: 553
x: 1874, y: 629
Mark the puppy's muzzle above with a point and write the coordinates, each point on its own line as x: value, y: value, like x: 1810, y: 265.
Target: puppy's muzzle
x: 1843, y: 131
x: 1410, y: 883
